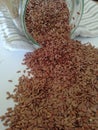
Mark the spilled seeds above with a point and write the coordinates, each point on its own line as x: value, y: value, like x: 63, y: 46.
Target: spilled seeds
x: 62, y: 94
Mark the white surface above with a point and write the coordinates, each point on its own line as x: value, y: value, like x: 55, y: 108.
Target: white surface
x: 10, y: 63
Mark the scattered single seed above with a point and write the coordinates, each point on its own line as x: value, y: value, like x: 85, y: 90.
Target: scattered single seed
x: 78, y: 13
x: 18, y: 71
x: 10, y: 81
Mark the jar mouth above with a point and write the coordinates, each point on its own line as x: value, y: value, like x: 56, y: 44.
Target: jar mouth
x: 75, y: 8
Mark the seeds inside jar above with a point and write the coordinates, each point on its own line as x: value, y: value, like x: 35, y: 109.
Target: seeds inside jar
x: 49, y: 20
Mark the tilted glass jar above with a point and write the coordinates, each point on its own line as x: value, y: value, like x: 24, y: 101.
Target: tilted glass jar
x: 18, y: 9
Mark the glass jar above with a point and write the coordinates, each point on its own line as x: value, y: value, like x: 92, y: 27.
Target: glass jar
x: 18, y: 11
x: 13, y: 7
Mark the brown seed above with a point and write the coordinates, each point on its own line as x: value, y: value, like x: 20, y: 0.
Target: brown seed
x: 78, y: 13
x: 10, y: 80
x: 18, y: 71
